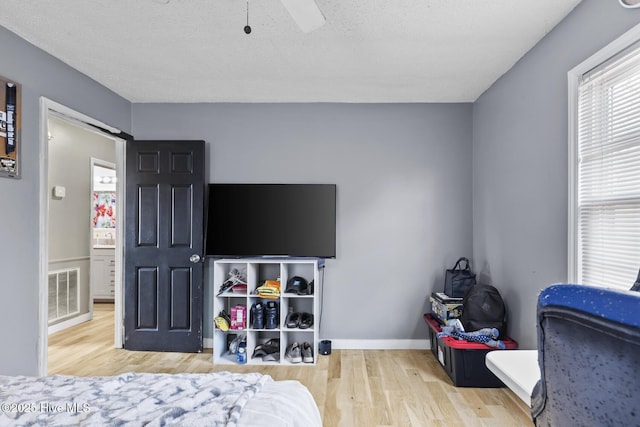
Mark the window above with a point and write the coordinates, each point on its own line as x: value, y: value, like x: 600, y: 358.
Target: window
x: 604, y: 237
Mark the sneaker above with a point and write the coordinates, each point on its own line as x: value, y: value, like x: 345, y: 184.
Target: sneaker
x: 257, y: 316
x: 293, y: 354
x: 307, y: 353
x: 271, y: 315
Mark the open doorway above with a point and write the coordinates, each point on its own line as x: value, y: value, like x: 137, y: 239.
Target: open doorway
x: 72, y: 147
x: 82, y: 223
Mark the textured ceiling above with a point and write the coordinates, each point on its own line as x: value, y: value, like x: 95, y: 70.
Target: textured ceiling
x: 367, y: 51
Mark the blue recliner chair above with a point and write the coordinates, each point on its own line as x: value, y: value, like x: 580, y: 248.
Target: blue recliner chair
x: 589, y: 357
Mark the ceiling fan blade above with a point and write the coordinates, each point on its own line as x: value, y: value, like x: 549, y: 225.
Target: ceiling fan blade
x: 630, y: 3
x: 306, y: 14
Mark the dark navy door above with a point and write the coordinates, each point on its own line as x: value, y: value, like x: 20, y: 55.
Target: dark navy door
x: 163, y: 289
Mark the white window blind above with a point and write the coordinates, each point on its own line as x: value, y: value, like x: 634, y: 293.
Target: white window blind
x: 608, y: 188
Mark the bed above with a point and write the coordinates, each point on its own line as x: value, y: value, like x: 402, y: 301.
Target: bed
x: 215, y: 399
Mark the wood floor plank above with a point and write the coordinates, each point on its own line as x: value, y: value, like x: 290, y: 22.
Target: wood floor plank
x: 351, y: 387
x: 472, y: 399
x: 331, y: 413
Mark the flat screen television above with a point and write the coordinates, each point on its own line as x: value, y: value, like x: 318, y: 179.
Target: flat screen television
x: 249, y: 220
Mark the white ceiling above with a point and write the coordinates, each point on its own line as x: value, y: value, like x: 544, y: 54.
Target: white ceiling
x: 367, y: 51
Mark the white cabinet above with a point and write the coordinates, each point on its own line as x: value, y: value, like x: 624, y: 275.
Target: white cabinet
x: 256, y: 272
x: 103, y: 275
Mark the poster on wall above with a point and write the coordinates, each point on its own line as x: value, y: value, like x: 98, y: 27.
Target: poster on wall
x: 104, y: 219
x: 104, y: 210
x: 10, y: 126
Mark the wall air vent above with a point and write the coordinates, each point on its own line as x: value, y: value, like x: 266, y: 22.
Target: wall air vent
x: 64, y: 294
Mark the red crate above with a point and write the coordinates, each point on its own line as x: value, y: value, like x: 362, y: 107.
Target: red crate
x: 462, y: 360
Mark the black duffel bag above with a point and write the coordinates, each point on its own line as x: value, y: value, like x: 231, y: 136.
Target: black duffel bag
x: 458, y: 279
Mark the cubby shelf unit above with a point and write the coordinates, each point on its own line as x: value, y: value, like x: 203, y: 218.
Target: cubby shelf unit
x: 257, y: 271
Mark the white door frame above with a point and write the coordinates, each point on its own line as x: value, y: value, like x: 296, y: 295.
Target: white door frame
x: 52, y: 108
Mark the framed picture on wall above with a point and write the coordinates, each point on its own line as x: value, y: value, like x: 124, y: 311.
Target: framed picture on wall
x: 10, y: 126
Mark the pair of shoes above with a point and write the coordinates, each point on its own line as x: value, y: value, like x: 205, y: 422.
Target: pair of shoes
x: 269, y: 351
x: 257, y: 316
x: 293, y: 353
x: 298, y: 320
x: 296, y: 354
x: 307, y: 353
x: 222, y: 321
x: 271, y: 315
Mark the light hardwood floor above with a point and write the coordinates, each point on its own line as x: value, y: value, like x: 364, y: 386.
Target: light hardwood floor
x: 351, y: 387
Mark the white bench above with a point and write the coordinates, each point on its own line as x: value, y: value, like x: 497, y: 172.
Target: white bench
x: 517, y: 369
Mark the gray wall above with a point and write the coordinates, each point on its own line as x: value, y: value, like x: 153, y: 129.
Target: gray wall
x: 70, y: 153
x: 520, y: 162
x: 40, y: 75
x: 403, y: 176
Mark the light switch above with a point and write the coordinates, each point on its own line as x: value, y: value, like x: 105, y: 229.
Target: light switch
x: 59, y: 191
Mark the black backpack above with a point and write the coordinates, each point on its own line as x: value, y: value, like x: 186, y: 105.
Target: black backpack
x: 483, y: 307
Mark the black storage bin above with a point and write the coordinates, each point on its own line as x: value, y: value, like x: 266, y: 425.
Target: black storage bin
x: 464, y: 362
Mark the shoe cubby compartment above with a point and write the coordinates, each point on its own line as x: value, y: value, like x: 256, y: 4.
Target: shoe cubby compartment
x: 266, y: 347
x: 258, y: 273
x: 304, y: 271
x: 230, y: 278
x: 267, y: 308
x: 221, y: 343
x: 254, y: 272
x: 229, y: 301
x: 297, y: 313
x: 300, y: 337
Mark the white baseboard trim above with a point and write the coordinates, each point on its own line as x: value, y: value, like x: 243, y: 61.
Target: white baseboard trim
x: 69, y: 323
x: 381, y: 344
x: 364, y: 344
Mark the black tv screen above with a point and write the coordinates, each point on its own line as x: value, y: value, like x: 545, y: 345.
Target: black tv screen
x: 246, y: 220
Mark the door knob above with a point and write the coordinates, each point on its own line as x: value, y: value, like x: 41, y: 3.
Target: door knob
x: 195, y: 258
